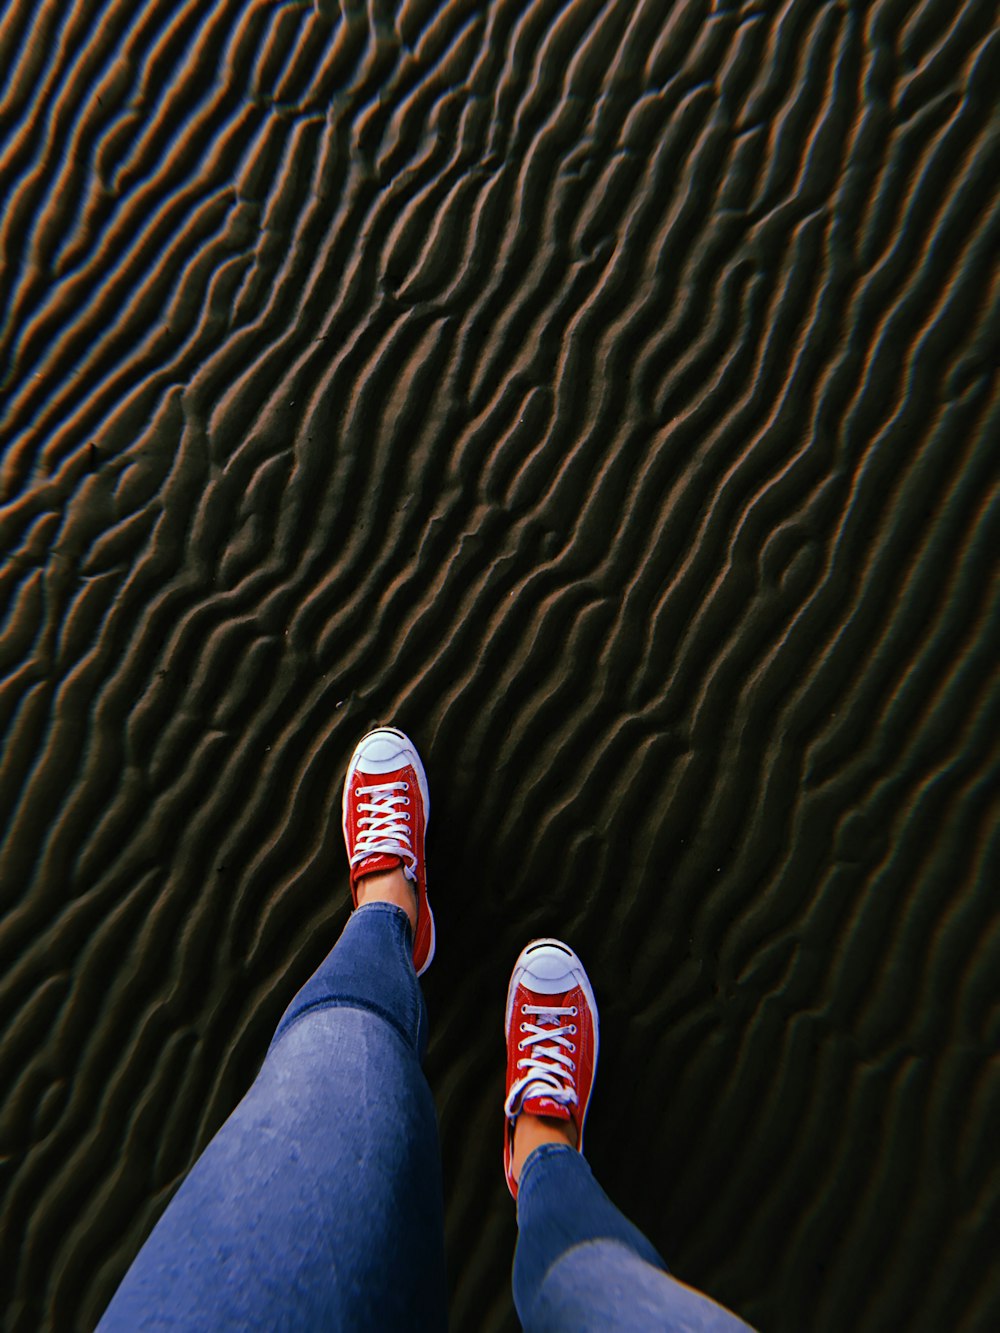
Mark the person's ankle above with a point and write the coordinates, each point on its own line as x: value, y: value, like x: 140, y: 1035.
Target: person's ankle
x: 389, y: 886
x: 534, y: 1131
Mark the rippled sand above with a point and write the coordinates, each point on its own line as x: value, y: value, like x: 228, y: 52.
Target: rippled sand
x: 601, y: 391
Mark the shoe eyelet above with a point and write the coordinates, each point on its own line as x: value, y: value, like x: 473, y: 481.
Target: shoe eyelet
x: 406, y: 786
x: 572, y: 1028
x: 524, y: 1027
x: 572, y: 1047
x: 574, y: 1011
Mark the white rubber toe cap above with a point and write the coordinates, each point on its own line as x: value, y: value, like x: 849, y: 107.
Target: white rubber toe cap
x: 549, y: 967
x: 385, y: 750
x: 382, y: 752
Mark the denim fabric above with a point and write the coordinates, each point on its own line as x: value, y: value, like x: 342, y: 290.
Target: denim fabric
x: 318, y: 1203
x: 582, y: 1267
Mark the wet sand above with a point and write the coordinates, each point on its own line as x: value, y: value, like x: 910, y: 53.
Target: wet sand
x: 603, y: 392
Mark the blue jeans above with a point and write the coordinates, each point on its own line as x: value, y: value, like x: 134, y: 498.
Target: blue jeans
x: 318, y: 1203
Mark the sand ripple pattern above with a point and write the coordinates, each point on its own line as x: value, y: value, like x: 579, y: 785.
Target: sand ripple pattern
x: 606, y: 392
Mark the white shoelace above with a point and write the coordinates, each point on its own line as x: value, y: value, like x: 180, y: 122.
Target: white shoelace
x: 383, y: 828
x: 551, y: 1069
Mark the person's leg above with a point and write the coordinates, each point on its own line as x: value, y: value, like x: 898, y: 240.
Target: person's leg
x: 580, y: 1265
x: 318, y: 1204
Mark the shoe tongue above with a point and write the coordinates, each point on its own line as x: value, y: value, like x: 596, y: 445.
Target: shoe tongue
x: 559, y: 1000
x: 376, y: 863
x: 541, y: 1105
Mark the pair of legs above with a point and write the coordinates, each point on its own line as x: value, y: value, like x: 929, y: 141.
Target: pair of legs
x: 318, y: 1204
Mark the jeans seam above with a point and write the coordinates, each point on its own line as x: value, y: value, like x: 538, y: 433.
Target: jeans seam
x: 404, y: 947
x: 404, y: 943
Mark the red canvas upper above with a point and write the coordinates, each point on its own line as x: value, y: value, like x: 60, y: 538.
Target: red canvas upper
x: 401, y: 817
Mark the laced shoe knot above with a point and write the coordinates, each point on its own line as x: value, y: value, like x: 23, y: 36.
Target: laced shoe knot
x: 384, y: 827
x: 549, y: 1065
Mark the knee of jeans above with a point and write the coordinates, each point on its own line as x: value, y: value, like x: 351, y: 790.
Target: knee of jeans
x: 356, y: 1062
x: 604, y: 1284
x: 560, y: 1207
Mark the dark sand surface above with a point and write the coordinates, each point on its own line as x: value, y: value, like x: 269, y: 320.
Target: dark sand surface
x: 602, y: 391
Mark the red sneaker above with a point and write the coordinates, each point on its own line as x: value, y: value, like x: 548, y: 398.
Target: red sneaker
x: 552, y: 1040
x: 386, y: 806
